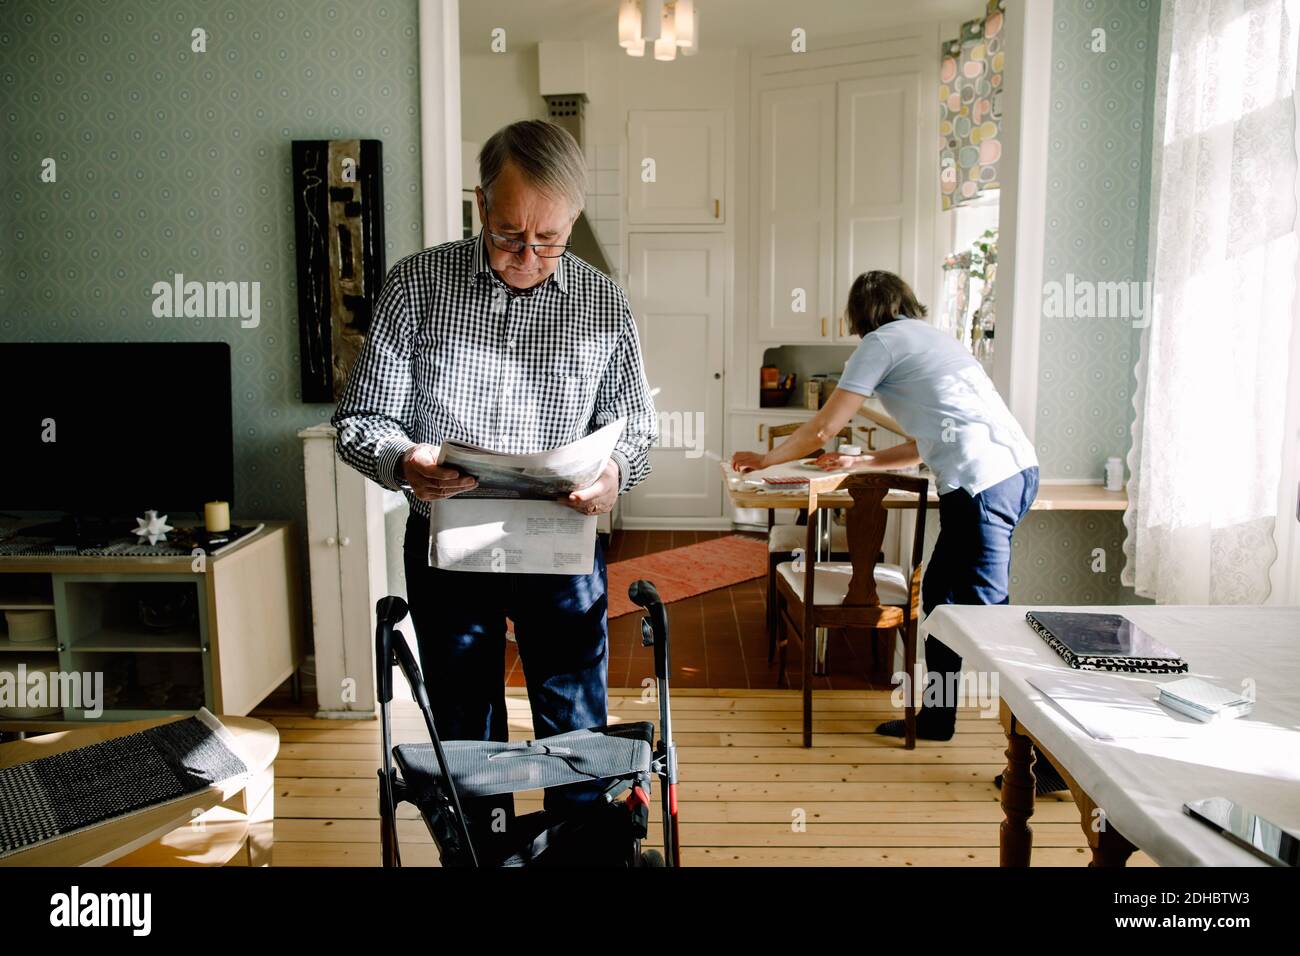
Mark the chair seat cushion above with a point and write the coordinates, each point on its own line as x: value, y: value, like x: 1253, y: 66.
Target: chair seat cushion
x: 832, y: 584
x: 784, y: 538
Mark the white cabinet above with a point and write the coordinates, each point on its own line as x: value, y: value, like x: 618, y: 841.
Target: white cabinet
x: 841, y: 190
x: 876, y: 182
x: 675, y: 167
x: 796, y: 214
x: 676, y: 290
x: 345, y: 548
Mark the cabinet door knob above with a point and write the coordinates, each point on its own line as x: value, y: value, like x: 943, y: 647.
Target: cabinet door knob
x: 345, y: 541
x: 823, y: 327
x: 717, y: 375
x: 330, y: 542
x: 717, y: 209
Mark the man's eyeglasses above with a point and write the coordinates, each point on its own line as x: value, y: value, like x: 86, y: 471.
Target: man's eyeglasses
x: 516, y: 246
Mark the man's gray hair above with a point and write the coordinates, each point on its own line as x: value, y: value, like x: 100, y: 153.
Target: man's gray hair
x: 545, y: 153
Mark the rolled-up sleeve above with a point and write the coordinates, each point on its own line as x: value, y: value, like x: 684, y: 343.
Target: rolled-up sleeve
x: 624, y: 393
x: 373, y: 418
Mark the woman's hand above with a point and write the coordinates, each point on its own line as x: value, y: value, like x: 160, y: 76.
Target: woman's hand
x: 834, y: 461
x: 743, y: 461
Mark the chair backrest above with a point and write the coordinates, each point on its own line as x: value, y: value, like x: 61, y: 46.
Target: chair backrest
x: 865, y: 527
x: 780, y: 431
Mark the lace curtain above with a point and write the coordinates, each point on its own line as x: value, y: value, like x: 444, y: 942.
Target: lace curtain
x: 1206, y: 458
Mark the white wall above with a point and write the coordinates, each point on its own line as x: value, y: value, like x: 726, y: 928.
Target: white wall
x: 497, y: 89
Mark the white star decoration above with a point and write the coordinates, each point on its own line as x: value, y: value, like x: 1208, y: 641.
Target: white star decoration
x: 153, y: 527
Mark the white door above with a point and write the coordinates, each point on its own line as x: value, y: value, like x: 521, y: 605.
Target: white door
x: 876, y: 184
x: 675, y: 167
x: 796, y: 214
x: 675, y: 287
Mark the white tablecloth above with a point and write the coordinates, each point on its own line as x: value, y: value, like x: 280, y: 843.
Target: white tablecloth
x: 1142, y: 784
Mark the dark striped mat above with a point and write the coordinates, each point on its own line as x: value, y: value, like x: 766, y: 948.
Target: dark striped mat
x: 57, y: 795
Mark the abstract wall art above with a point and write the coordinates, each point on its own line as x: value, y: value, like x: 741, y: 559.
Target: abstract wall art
x: 339, y: 225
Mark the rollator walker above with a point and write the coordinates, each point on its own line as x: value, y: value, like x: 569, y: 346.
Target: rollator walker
x: 436, y: 777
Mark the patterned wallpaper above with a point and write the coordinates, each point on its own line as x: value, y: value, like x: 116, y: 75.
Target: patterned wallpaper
x: 170, y: 160
x: 1069, y: 557
x: 1098, y: 188
x: 1063, y: 557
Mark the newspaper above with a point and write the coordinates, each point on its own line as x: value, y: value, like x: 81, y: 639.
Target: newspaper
x: 512, y: 521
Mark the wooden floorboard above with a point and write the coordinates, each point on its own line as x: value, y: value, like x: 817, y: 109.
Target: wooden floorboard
x: 750, y: 795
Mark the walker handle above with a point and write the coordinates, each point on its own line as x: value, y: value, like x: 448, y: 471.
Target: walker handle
x: 654, y: 627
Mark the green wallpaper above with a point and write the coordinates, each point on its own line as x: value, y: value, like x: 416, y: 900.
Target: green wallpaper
x: 1098, y: 188
x: 1096, y: 217
x: 170, y: 160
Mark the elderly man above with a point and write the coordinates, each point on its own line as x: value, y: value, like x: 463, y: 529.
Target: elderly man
x: 510, y: 342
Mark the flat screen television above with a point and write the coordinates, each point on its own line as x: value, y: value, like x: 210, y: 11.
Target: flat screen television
x: 106, y: 430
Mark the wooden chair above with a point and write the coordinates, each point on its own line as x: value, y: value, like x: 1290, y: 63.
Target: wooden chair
x: 860, y: 594
x: 783, y: 539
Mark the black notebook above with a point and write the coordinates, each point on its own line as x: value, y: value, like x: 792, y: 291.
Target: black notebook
x: 1104, y: 642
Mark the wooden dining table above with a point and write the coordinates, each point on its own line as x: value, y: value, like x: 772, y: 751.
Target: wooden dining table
x: 746, y: 491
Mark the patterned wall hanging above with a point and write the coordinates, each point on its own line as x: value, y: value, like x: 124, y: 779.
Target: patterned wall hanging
x: 338, y: 204
x: 970, y: 110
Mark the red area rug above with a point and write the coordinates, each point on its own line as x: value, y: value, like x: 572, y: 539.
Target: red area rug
x: 687, y: 571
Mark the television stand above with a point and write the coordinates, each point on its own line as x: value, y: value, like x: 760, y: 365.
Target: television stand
x: 72, y: 537
x: 157, y: 634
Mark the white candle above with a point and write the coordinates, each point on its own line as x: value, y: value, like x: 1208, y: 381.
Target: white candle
x: 216, y: 516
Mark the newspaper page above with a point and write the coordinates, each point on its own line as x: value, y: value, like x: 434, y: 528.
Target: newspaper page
x: 513, y: 521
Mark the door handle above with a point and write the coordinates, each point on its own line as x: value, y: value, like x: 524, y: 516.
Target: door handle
x: 760, y: 431
x: 823, y: 327
x: 717, y: 209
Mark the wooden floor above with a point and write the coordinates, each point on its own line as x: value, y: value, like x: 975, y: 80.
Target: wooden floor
x: 718, y: 638
x: 750, y: 795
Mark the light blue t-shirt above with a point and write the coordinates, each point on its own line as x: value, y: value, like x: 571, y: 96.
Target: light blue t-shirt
x: 942, y: 397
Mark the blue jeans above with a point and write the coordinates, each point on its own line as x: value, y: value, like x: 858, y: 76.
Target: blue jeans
x: 971, y: 561
x: 560, y: 631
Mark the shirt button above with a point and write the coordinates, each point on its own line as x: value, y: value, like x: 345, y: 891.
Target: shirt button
x: 510, y: 344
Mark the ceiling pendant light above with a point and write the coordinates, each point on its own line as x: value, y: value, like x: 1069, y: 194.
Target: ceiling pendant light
x: 684, y: 21
x: 666, y: 45
x: 669, y: 25
x: 629, y: 26
x: 652, y: 18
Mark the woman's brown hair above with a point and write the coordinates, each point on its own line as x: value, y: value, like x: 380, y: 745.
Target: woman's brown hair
x: 879, y: 297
